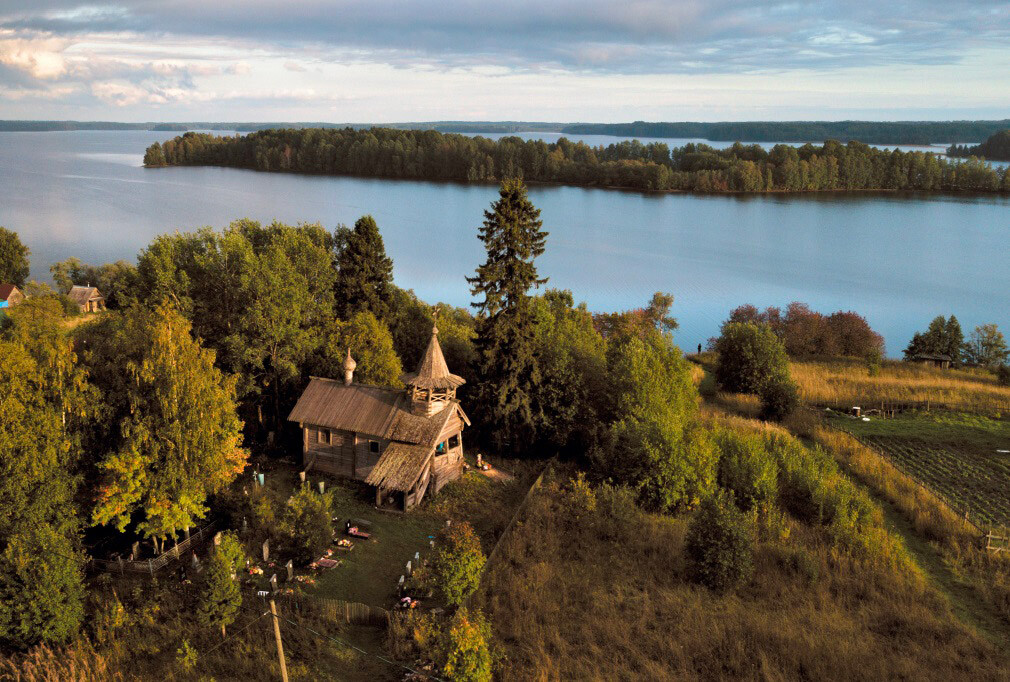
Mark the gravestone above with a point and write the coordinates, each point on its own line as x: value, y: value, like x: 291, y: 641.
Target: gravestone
x: 322, y: 487
x: 409, y: 570
x: 217, y: 539
x: 273, y: 583
x: 301, y: 476
x: 245, y: 524
x: 263, y: 480
x: 135, y: 552
x: 266, y: 550
x: 291, y: 570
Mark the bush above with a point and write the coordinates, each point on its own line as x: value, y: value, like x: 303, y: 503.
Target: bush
x: 720, y: 545
x: 749, y: 356
x: 308, y: 522
x: 747, y: 470
x: 465, y: 648
x: 1003, y: 375
x: 779, y: 398
x: 457, y: 563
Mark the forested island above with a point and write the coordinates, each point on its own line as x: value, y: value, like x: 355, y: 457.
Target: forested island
x: 430, y: 155
x: 996, y: 147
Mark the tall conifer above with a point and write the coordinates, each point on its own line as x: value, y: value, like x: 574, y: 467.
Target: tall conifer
x: 507, y: 367
x: 364, y: 271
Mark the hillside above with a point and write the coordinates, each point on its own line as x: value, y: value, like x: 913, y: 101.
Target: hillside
x: 995, y: 148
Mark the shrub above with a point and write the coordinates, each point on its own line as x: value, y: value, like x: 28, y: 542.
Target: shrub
x: 747, y: 470
x: 1003, y: 375
x: 720, y: 545
x: 779, y: 398
x: 465, y: 648
x: 749, y: 356
x: 308, y: 524
x: 457, y: 563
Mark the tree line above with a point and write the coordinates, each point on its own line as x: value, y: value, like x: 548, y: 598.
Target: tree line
x: 871, y: 132
x: 430, y: 155
x: 996, y: 147
x: 984, y: 347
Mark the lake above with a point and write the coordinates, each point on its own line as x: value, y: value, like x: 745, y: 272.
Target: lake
x: 897, y: 259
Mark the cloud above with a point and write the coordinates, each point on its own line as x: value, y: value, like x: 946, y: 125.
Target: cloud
x: 238, y: 69
x: 294, y: 66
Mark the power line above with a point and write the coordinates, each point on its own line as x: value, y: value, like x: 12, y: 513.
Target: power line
x: 236, y: 633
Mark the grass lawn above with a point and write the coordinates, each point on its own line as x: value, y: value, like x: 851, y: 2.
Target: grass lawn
x: 370, y: 571
x: 953, y: 453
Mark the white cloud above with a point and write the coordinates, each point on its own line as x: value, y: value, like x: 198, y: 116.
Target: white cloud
x: 294, y: 66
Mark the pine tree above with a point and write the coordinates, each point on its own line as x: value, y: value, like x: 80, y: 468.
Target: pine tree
x: 507, y: 367
x: 221, y: 597
x: 364, y: 271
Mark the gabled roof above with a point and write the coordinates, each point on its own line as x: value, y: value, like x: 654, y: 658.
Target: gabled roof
x: 6, y: 290
x: 81, y: 295
x: 932, y: 356
x: 399, y: 466
x: 372, y: 410
x: 432, y: 372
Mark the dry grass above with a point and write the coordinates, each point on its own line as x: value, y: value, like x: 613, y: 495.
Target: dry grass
x: 846, y: 382
x: 80, y: 663
x: 602, y: 595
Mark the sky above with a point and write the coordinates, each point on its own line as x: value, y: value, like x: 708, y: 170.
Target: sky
x: 533, y: 60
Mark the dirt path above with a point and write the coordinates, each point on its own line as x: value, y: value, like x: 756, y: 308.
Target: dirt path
x: 496, y: 475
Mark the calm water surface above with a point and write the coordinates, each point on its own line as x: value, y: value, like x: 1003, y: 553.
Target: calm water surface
x: 898, y: 260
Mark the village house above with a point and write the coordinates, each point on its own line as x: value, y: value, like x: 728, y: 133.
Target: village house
x: 933, y: 360
x: 10, y: 296
x: 88, y: 299
x: 403, y: 442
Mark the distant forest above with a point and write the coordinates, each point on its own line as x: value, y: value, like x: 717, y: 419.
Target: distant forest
x: 996, y: 148
x: 430, y: 155
x: 871, y: 132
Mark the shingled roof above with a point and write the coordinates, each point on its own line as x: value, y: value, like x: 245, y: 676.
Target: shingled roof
x: 399, y: 467
x: 372, y: 410
x: 81, y: 295
x: 432, y: 372
x: 6, y: 290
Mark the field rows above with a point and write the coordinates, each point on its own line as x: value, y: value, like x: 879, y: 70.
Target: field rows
x: 968, y: 482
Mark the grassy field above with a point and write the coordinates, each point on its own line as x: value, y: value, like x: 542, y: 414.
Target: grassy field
x: 846, y: 382
x: 603, y: 595
x: 955, y: 454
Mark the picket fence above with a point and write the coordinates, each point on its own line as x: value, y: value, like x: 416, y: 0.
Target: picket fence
x: 154, y: 564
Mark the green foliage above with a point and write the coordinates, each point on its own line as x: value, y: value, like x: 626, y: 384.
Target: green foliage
x: 41, y: 588
x: 465, y: 650
x: 186, y: 656
x: 986, y: 347
x: 308, y: 524
x: 652, y: 443
x: 220, y: 595
x: 364, y: 271
x: 14, y: 266
x: 573, y: 367
x: 257, y: 295
x: 507, y: 367
x: 430, y: 155
x: 720, y: 545
x: 370, y: 344
x: 178, y: 437
x: 779, y: 398
x: 995, y: 147
x: 457, y: 563
x: 747, y: 470
x: 942, y: 337
x: 749, y: 356
x: 154, y: 157
x: 805, y: 332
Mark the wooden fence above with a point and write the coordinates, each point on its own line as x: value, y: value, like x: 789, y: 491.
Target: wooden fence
x: 997, y: 543
x: 888, y: 409
x: 154, y: 564
x: 337, y: 610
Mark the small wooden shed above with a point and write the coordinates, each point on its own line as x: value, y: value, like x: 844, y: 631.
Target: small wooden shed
x: 402, y: 441
x: 933, y: 360
x: 10, y: 296
x: 88, y: 299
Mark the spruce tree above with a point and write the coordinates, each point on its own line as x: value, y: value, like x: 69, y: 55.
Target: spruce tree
x: 364, y: 271
x: 507, y: 367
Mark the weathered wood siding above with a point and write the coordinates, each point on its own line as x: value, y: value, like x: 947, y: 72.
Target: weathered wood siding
x: 340, y: 453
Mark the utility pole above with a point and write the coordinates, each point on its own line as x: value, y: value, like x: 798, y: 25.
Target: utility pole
x: 277, y: 636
